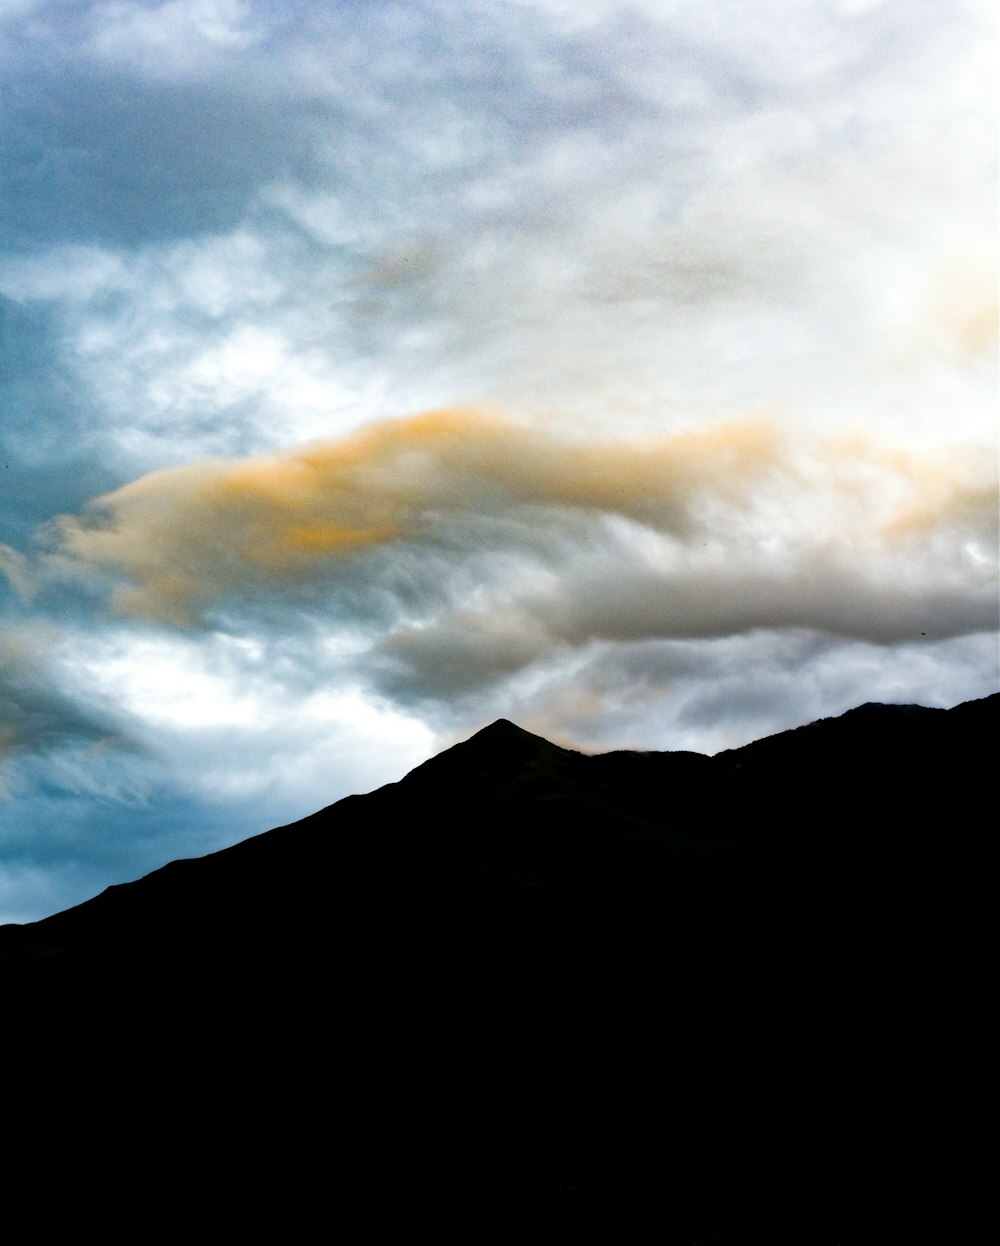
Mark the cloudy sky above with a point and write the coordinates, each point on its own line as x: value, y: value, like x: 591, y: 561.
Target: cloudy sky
x: 374, y: 370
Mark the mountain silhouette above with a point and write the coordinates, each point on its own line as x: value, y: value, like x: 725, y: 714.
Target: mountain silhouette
x: 530, y: 988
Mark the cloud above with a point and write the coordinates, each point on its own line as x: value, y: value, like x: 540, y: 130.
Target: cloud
x: 37, y: 715
x: 189, y: 536
x: 276, y: 719
x: 655, y: 212
x: 120, y: 751
x: 464, y: 548
x: 14, y: 568
x: 709, y: 695
x: 170, y: 39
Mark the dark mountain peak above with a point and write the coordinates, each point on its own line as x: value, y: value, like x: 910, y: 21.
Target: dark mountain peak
x: 501, y: 738
x: 503, y: 727
x: 504, y: 734
x: 502, y: 749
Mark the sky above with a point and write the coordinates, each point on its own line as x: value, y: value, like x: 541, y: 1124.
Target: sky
x: 370, y: 371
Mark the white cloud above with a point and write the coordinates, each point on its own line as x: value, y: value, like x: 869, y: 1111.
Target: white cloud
x: 234, y: 717
x: 782, y: 249
x: 175, y: 38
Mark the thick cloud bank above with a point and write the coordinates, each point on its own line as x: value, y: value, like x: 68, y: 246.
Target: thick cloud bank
x: 707, y: 533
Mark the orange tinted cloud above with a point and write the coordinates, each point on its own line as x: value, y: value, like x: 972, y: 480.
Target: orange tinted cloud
x: 184, y: 538
x: 901, y: 494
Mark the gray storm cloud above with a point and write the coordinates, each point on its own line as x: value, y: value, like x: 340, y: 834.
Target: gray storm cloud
x: 37, y: 715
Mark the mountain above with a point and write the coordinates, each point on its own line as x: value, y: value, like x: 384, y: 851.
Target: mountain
x: 530, y: 987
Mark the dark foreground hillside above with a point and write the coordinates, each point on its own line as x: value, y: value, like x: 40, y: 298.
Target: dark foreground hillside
x: 526, y: 990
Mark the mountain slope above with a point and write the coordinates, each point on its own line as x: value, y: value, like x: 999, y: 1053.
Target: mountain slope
x: 528, y: 985
x: 509, y: 812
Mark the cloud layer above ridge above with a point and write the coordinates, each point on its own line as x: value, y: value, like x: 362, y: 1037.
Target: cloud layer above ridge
x: 692, y: 520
